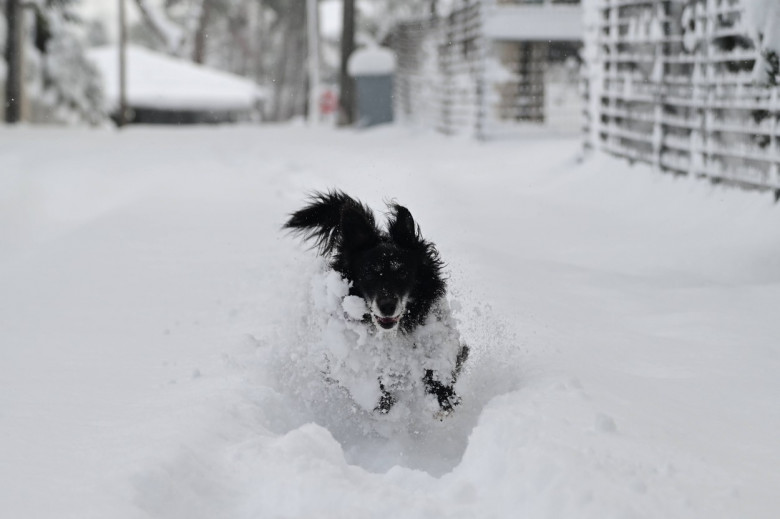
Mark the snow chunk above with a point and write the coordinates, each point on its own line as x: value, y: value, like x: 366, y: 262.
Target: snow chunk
x: 310, y: 442
x: 371, y: 61
x: 355, y: 307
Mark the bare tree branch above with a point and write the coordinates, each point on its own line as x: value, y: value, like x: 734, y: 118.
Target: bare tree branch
x: 170, y: 34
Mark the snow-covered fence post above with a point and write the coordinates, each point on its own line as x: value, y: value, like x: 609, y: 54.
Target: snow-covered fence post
x: 774, y: 171
x: 482, y: 125
x: 592, y: 77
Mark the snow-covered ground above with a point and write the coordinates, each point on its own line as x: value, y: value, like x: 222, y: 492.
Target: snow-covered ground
x: 152, y: 352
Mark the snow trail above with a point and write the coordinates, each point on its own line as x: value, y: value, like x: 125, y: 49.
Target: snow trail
x: 153, y: 320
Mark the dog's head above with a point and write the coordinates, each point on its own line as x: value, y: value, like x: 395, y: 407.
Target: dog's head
x: 384, y: 268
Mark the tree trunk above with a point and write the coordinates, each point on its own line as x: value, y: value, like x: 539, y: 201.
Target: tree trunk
x: 122, y: 118
x: 347, y: 96
x: 290, y: 72
x: 259, y: 40
x: 13, y: 59
x: 313, y: 39
x: 199, y: 47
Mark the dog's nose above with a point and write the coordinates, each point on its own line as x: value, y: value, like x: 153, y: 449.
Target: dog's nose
x: 386, y: 305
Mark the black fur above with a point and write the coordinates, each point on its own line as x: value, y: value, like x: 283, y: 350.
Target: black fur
x: 396, y: 271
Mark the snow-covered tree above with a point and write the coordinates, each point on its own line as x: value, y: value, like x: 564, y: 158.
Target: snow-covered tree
x: 69, y: 83
x: 261, y: 39
x: 376, y: 19
x: 58, y: 80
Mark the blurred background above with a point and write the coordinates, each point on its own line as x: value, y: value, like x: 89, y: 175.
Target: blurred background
x: 460, y: 67
x: 688, y: 86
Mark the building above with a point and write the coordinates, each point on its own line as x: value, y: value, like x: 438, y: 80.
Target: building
x: 162, y: 89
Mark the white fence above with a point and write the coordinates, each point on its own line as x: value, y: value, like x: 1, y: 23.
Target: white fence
x: 440, y: 72
x: 685, y: 85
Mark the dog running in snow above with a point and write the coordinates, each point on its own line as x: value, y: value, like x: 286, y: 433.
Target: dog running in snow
x: 395, y: 271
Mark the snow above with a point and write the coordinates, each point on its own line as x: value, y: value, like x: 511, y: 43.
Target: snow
x: 156, y: 330
x: 534, y: 22
x: 371, y: 61
x: 171, y: 33
x: 353, y: 358
x: 159, y: 81
x: 761, y: 21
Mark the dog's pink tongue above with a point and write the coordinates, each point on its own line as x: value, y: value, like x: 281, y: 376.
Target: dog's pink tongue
x: 386, y: 322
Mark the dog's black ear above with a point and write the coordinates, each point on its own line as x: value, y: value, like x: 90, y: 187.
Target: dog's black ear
x: 402, y: 228
x: 358, y: 230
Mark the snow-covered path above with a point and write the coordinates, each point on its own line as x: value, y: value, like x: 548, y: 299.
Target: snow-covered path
x: 623, y: 322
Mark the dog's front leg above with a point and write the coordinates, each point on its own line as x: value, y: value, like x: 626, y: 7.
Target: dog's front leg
x: 444, y: 394
x: 386, y: 401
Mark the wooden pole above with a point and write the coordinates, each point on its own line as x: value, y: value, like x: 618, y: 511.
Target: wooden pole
x: 313, y: 25
x: 346, y: 94
x: 122, y: 65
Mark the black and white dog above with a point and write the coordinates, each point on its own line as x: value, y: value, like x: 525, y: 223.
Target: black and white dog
x: 395, y: 271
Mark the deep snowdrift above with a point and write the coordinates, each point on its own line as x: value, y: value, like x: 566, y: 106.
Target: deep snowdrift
x: 153, y: 320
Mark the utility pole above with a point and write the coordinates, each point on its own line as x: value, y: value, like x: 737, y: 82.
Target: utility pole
x: 122, y: 65
x: 313, y: 25
x: 13, y: 58
x: 346, y: 95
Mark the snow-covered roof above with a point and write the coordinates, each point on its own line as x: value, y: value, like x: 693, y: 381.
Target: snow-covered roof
x: 534, y: 22
x: 371, y: 61
x: 160, y: 81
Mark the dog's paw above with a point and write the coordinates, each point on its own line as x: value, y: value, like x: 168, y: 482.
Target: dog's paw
x: 447, y: 406
x: 442, y: 415
x: 386, y: 402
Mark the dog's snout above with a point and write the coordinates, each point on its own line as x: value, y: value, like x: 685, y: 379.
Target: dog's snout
x: 387, y: 305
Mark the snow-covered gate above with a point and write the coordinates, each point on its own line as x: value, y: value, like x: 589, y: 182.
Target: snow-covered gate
x: 688, y: 86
